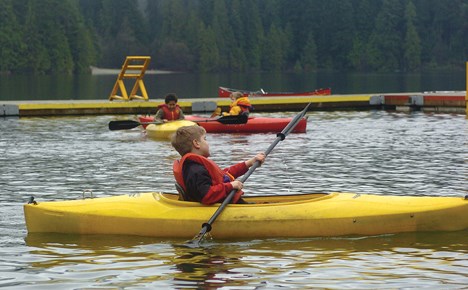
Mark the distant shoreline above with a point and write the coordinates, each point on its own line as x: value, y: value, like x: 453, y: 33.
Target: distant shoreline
x: 112, y: 71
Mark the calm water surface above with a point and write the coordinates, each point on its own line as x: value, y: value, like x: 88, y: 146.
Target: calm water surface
x: 368, y: 152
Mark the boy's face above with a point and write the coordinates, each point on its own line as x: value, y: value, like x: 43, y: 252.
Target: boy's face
x: 172, y: 105
x: 204, y: 147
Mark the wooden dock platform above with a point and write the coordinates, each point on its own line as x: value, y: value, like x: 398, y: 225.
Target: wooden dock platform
x: 448, y: 102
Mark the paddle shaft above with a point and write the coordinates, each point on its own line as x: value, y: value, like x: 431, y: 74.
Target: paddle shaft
x: 227, y: 120
x: 127, y: 124
x: 130, y: 124
x: 206, y: 227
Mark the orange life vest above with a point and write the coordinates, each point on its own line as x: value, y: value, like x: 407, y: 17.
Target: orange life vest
x: 243, y: 103
x: 218, y: 176
x: 168, y: 114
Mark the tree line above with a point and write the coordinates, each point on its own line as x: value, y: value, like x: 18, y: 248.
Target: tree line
x: 69, y: 36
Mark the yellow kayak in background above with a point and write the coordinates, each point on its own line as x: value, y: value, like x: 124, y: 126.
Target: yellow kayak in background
x: 164, y: 131
x: 308, y: 215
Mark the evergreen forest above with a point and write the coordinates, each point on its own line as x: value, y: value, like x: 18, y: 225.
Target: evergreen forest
x: 69, y: 36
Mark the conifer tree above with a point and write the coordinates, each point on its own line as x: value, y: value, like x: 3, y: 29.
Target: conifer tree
x: 10, y: 38
x: 412, y: 46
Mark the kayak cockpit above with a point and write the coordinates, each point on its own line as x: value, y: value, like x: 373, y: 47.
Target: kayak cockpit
x: 252, y: 200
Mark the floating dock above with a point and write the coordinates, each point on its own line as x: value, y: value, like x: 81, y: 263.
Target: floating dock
x: 446, y: 102
x: 134, y: 67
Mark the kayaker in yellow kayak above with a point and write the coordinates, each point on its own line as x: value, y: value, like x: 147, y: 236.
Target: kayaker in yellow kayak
x: 200, y: 178
x: 169, y: 111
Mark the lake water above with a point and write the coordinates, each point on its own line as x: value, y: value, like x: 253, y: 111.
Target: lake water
x: 186, y: 85
x: 367, y: 152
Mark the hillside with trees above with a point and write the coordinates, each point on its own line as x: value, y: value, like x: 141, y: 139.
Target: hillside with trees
x: 68, y: 36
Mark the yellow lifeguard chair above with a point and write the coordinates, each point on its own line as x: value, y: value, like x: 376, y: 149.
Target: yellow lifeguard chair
x: 134, y: 67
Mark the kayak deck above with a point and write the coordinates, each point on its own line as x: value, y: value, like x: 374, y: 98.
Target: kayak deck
x: 253, y: 125
x: 164, y: 131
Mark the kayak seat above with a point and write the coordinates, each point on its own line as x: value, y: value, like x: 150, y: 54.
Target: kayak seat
x: 181, y: 191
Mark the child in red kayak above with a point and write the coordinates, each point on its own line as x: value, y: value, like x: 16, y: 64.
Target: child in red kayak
x: 240, y: 105
x: 200, y: 178
x: 169, y: 111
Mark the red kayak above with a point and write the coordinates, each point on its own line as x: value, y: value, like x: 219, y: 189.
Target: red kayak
x: 253, y: 125
x: 226, y: 92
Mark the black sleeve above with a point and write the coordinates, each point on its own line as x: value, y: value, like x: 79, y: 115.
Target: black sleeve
x: 197, y: 180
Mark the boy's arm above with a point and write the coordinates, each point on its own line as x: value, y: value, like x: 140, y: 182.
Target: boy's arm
x: 217, y: 193
x: 236, y: 110
x: 181, y: 114
x: 237, y: 170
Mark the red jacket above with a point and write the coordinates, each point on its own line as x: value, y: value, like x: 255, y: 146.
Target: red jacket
x: 168, y: 114
x: 220, y: 183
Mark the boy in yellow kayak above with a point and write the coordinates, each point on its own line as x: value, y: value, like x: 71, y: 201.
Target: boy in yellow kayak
x: 169, y: 111
x: 200, y: 178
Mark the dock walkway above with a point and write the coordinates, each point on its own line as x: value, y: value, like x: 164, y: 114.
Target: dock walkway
x: 448, y: 102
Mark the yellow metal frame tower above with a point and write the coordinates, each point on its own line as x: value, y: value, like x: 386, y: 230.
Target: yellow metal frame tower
x: 134, y: 67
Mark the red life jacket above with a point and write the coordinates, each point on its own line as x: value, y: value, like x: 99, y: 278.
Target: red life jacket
x: 217, y: 176
x: 168, y: 114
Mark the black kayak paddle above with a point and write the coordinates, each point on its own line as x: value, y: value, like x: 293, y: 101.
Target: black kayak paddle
x: 130, y: 124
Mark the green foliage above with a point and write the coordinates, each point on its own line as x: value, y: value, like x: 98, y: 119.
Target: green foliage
x: 67, y: 36
x: 272, y: 57
x: 10, y: 38
x: 46, y: 36
x: 209, y: 53
x: 308, y: 59
x: 386, y: 39
x: 412, y: 43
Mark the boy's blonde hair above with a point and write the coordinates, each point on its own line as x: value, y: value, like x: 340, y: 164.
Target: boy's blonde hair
x: 183, y: 137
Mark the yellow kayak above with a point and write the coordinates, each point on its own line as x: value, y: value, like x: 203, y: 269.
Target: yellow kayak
x: 309, y: 215
x: 165, y: 130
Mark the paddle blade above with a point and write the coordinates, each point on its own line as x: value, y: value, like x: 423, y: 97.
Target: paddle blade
x: 240, y: 119
x: 123, y: 125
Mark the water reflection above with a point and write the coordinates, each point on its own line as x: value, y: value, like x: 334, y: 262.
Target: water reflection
x: 205, y: 267
x: 205, y: 85
x: 120, y: 261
